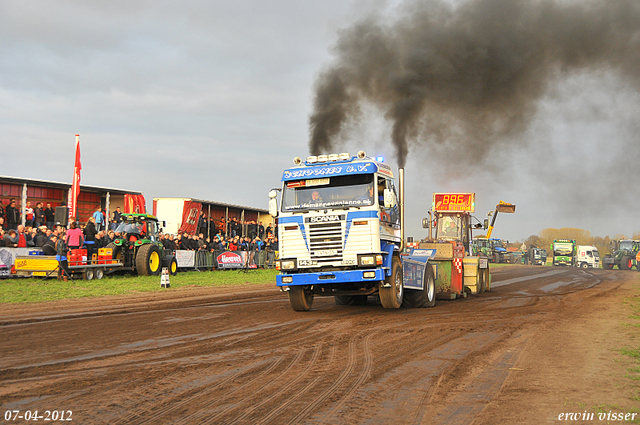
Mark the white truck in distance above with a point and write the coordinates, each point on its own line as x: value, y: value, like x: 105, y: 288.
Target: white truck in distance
x: 587, y: 257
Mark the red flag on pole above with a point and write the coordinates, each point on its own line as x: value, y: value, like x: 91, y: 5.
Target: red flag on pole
x: 75, y: 185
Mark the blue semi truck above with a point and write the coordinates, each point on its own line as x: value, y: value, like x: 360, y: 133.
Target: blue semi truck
x: 341, y: 234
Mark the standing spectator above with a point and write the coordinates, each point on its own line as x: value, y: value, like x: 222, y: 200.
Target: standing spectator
x: 90, y: 237
x: 22, y: 237
x: 260, y: 230
x: 117, y: 218
x: 269, y: 231
x: 13, y: 215
x: 99, y: 218
x: 62, y: 250
x: 28, y: 214
x: 38, y: 215
x: 271, y: 254
x: 252, y: 230
x: 74, y: 236
x: 222, y: 226
x: 49, y: 216
x: 202, y: 223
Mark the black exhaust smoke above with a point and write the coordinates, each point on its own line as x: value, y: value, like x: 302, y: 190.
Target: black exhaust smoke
x: 468, y: 76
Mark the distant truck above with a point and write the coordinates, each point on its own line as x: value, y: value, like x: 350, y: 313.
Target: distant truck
x: 587, y: 257
x: 564, y: 252
x: 623, y: 254
x: 537, y: 256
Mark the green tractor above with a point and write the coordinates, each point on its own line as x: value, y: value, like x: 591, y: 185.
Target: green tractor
x: 623, y: 254
x: 138, y: 247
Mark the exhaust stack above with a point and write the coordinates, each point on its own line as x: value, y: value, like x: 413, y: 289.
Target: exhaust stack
x: 401, y: 180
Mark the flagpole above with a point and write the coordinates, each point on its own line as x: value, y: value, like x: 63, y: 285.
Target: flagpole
x: 75, y: 186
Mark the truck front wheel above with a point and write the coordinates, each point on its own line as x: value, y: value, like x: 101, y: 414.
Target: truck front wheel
x: 300, y: 297
x: 391, y: 290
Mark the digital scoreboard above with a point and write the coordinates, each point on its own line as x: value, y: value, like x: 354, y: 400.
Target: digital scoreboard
x: 454, y: 202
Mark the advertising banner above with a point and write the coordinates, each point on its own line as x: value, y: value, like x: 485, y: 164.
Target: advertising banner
x: 186, y: 259
x: 190, y: 215
x: 230, y: 260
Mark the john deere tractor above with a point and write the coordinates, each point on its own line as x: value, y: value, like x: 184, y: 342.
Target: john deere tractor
x: 138, y: 247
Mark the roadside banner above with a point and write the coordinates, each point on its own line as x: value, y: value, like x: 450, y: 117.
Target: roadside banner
x: 185, y: 259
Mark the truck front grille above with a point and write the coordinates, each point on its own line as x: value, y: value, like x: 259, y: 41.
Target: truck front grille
x: 325, y: 241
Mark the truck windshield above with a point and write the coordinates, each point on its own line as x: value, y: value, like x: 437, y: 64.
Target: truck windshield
x: 563, y: 248
x: 332, y: 192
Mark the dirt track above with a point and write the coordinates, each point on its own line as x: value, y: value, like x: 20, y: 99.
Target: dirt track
x: 544, y: 341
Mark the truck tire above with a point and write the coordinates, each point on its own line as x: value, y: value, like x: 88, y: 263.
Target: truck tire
x: 300, y: 297
x: 391, y: 296
x: 148, y: 261
x: 414, y: 298
x: 351, y: 299
x: 625, y: 263
x: 584, y: 265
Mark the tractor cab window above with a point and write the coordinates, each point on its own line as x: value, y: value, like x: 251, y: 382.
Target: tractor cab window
x: 449, y: 227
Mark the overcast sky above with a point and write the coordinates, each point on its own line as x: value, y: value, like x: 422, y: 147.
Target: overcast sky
x: 211, y: 100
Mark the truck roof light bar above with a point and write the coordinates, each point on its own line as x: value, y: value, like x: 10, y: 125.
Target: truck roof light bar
x: 312, y: 159
x: 333, y: 157
x: 345, y: 156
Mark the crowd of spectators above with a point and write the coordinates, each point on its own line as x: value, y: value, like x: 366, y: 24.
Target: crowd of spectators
x: 39, y: 231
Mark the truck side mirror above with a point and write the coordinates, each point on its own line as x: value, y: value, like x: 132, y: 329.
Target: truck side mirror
x: 425, y: 223
x: 273, y: 207
x: 486, y: 223
x: 389, y: 199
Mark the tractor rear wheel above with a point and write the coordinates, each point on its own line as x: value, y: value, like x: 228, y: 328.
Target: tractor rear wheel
x: 415, y: 298
x: 116, y: 251
x: 148, y: 261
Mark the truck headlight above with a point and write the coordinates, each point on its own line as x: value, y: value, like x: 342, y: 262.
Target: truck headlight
x: 287, y: 264
x: 370, y: 260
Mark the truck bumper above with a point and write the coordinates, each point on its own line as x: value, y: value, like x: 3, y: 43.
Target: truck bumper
x: 323, y: 278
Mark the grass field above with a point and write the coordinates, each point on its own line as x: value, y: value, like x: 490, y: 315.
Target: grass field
x: 33, y: 290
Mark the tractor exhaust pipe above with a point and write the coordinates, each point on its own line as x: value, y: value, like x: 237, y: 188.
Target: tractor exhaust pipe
x: 401, y: 181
